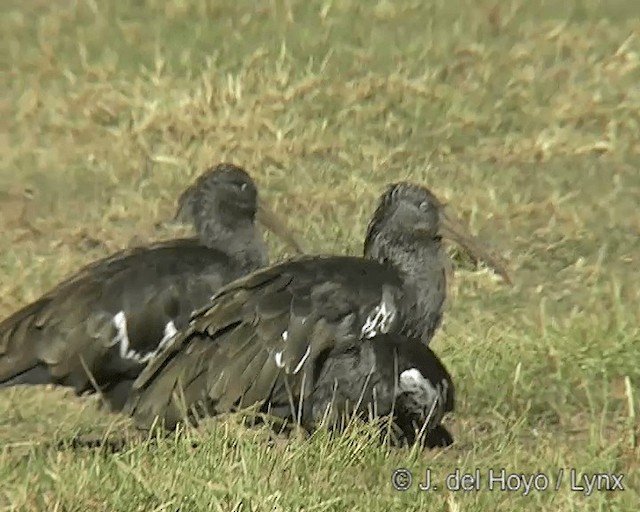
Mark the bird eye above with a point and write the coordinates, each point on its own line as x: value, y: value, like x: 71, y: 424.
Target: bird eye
x: 424, y: 206
x: 243, y: 187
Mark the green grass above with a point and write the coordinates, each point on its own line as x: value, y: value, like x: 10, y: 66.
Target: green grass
x: 525, y: 116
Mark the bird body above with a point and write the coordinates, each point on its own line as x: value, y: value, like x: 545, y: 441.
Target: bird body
x: 281, y: 323
x: 115, y: 316
x: 387, y: 375
x: 286, y: 315
x: 102, y: 325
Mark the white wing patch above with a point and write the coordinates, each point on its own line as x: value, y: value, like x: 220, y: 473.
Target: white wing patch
x: 412, y: 381
x: 122, y: 339
x: 380, y: 319
x: 278, y: 355
x: 169, y: 332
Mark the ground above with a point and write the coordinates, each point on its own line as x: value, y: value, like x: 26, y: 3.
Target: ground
x: 524, y: 116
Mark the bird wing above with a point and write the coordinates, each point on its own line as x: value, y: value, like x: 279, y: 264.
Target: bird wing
x: 276, y: 319
x: 110, y: 317
x: 424, y: 393
x: 388, y: 374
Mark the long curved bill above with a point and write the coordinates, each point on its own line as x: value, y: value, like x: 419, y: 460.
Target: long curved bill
x: 270, y: 220
x: 453, y: 230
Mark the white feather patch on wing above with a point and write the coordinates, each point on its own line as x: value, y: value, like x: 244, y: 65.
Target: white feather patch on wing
x: 412, y: 381
x: 278, y: 357
x: 430, y: 397
x: 169, y: 332
x: 381, y: 318
x: 122, y: 339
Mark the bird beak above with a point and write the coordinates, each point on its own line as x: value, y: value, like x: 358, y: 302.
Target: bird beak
x: 270, y: 220
x: 452, y: 229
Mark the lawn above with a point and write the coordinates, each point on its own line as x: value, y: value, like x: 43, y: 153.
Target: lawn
x: 524, y: 116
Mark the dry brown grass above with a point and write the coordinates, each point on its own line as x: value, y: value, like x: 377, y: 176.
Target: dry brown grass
x: 524, y: 115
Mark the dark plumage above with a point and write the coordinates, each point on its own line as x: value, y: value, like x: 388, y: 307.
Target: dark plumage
x: 387, y: 375
x: 115, y: 313
x: 292, y: 315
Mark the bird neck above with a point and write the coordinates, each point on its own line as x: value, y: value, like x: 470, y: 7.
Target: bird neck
x: 242, y: 242
x: 422, y: 269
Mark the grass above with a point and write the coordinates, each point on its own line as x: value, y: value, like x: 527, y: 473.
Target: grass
x: 525, y: 116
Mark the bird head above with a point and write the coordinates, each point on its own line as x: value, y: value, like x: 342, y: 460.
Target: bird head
x: 407, y: 211
x: 226, y: 197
